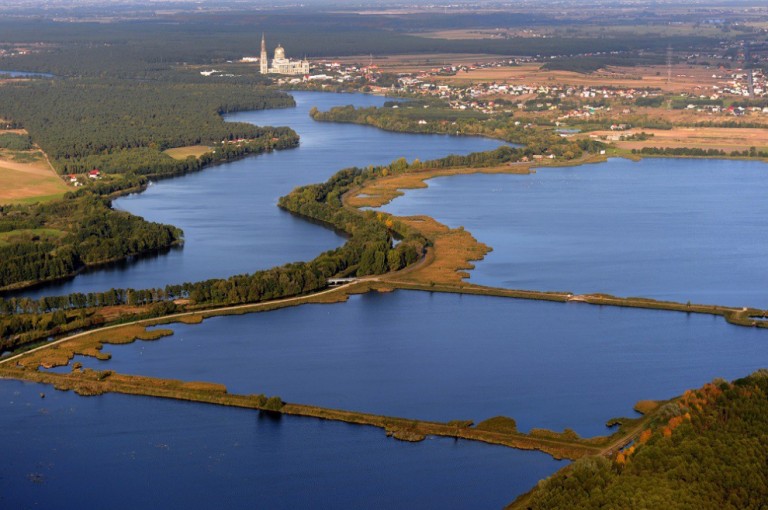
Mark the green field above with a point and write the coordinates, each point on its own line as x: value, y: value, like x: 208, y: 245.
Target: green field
x: 32, y: 234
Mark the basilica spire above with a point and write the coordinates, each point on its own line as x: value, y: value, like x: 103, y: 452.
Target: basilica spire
x: 263, y: 59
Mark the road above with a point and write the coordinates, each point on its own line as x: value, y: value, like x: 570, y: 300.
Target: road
x: 254, y: 306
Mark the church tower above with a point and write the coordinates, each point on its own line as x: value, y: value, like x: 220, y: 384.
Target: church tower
x: 263, y: 61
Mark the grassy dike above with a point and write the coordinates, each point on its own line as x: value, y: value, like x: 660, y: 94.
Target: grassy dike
x: 93, y: 382
x: 88, y: 382
x: 749, y: 317
x: 450, y: 252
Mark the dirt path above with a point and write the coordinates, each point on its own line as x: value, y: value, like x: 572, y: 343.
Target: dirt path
x: 622, y: 441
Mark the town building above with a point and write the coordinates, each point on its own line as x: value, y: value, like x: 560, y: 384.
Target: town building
x: 280, y: 64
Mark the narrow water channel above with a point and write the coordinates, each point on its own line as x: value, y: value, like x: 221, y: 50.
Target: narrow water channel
x: 229, y: 213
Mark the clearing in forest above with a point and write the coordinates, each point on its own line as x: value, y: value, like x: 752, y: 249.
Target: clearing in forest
x: 185, y: 152
x: 26, y: 176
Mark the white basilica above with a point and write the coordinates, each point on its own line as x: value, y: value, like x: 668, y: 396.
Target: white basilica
x: 280, y: 64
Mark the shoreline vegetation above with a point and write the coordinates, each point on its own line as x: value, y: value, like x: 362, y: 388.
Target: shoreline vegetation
x: 437, y: 118
x: 445, y: 254
x: 109, y: 139
x: 430, y: 257
x: 149, y: 107
x: 721, y: 420
x: 559, y: 445
x: 34, y: 365
x: 499, y: 430
x: 30, y: 262
x: 418, y: 116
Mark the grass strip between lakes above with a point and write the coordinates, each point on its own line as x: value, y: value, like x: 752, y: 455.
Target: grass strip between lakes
x: 88, y: 382
x: 449, y: 252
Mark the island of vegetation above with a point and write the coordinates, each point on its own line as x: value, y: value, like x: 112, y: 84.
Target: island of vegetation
x: 368, y: 255
x: 429, y: 257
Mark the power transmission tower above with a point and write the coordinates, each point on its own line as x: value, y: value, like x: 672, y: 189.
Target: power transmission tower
x: 669, y: 64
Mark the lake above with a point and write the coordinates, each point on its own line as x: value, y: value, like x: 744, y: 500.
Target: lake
x: 24, y: 74
x: 672, y: 229
x: 135, y: 452
x: 229, y: 212
x: 125, y: 452
x: 446, y: 357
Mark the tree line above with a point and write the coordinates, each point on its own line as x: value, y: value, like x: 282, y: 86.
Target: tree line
x: 589, y: 64
x: 752, y: 152
x: 90, y: 233
x: 706, y: 450
x: 150, y: 50
x: 538, y: 141
x: 370, y: 250
x: 82, y: 124
x: 14, y: 141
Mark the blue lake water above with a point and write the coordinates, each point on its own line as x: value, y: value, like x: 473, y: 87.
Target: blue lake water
x: 674, y: 229
x: 136, y: 452
x: 24, y: 74
x: 445, y: 357
x: 125, y: 452
x: 229, y: 213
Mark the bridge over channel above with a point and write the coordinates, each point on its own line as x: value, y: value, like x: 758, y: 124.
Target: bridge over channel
x: 335, y: 282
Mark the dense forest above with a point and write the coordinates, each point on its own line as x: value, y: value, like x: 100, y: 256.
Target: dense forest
x: 705, y: 451
x: 588, y: 64
x: 54, y: 240
x: 120, y: 128
x: 151, y: 50
x: 123, y: 126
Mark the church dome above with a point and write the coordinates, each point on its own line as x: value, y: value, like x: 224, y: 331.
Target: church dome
x: 279, y: 52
